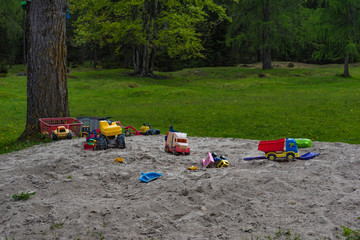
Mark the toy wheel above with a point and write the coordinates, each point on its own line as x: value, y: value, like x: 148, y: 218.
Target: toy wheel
x: 176, y: 153
x: 149, y: 132
x: 290, y: 156
x: 271, y: 157
x: 120, y: 141
x: 166, y: 148
x: 127, y: 133
x: 102, y: 143
x: 69, y: 136
x: 156, y: 132
x: 53, y: 136
x: 187, y: 154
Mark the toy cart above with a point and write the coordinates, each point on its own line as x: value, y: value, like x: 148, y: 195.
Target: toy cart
x: 48, y: 125
x: 91, y: 122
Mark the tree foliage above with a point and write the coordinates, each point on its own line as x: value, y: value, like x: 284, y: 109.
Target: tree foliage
x: 263, y: 26
x: 333, y: 28
x: 145, y: 26
x: 10, y: 29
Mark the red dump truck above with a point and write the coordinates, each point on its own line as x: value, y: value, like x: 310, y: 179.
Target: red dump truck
x: 275, y: 149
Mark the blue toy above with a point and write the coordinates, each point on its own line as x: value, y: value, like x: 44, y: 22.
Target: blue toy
x: 171, y: 129
x: 220, y: 161
x: 147, y: 177
x: 306, y: 156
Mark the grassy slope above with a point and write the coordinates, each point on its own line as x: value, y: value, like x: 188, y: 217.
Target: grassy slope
x: 215, y: 102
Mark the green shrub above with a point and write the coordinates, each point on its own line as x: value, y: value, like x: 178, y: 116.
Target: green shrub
x: 3, y: 69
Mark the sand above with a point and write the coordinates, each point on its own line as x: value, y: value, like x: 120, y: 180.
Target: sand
x: 85, y: 195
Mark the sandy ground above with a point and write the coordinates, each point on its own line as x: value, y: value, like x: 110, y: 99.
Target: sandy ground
x: 84, y: 195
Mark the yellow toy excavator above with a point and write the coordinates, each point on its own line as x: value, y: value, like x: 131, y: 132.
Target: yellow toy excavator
x: 110, y: 134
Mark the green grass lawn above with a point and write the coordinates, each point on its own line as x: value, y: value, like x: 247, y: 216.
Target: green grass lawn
x: 235, y: 102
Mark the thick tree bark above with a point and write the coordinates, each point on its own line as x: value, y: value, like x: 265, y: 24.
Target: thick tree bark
x: 346, y: 66
x: 266, y: 51
x: 47, y: 94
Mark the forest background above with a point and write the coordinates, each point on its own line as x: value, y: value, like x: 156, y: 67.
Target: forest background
x: 206, y: 33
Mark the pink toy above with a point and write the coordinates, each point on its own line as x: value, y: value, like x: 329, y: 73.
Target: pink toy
x: 209, y: 161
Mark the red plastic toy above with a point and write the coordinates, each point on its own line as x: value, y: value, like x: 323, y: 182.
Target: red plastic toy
x: 48, y: 125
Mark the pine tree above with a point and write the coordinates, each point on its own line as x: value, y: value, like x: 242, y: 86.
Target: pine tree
x: 334, y: 29
x: 263, y: 26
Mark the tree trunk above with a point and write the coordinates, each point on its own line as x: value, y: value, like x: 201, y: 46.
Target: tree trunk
x: 143, y: 60
x: 266, y: 51
x: 24, y: 39
x: 346, y: 66
x: 144, y: 54
x: 95, y: 56
x: 266, y: 59
x: 83, y: 53
x: 47, y: 94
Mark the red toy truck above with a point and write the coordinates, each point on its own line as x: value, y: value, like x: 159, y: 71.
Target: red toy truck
x: 275, y: 149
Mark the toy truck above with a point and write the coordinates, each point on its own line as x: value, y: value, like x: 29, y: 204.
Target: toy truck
x: 110, y: 134
x: 275, y: 149
x: 176, y: 143
x: 61, y: 132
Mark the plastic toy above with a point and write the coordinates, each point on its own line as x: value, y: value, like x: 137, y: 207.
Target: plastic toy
x: 91, y: 122
x: 303, y: 142
x: 60, y: 133
x: 306, y: 156
x: 221, y: 161
x: 275, y: 149
x: 192, y: 168
x: 213, y: 160
x: 208, y: 162
x: 90, y: 144
x: 145, y: 129
x: 48, y: 125
x: 147, y: 177
x: 176, y: 143
x: 110, y: 135
x: 118, y: 160
x: 85, y: 130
